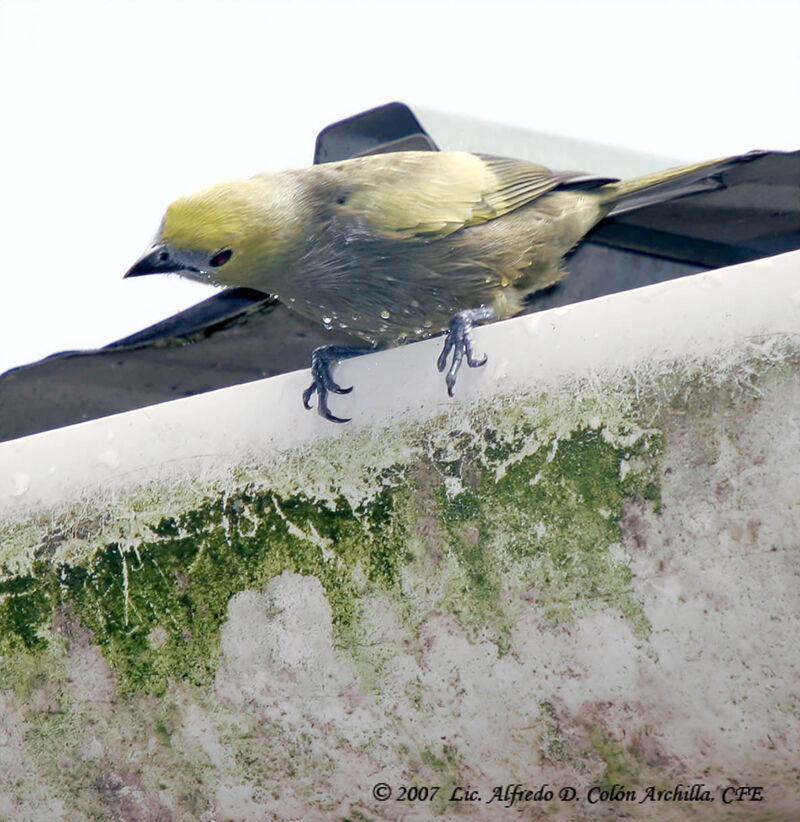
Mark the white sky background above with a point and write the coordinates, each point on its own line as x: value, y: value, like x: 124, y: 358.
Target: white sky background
x: 112, y: 109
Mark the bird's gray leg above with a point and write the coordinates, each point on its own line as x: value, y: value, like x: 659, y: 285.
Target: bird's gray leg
x: 322, y: 359
x: 459, y: 339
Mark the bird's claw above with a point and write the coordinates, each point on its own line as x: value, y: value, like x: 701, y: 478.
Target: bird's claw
x: 323, y: 383
x: 459, y: 340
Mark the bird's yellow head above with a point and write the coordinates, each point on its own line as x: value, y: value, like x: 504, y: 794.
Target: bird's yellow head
x: 229, y: 234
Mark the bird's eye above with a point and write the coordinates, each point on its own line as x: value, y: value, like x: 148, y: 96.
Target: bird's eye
x: 220, y: 258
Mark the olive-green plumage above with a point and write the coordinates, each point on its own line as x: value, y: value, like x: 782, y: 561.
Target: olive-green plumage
x: 391, y: 246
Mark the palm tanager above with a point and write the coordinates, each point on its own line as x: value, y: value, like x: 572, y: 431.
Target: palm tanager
x: 400, y: 246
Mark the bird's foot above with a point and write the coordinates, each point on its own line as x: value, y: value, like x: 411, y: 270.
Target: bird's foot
x: 322, y: 359
x: 459, y: 339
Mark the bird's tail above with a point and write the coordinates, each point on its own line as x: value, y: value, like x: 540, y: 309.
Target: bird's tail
x: 662, y: 186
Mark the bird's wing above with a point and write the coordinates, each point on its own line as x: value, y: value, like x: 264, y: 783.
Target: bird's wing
x: 432, y: 194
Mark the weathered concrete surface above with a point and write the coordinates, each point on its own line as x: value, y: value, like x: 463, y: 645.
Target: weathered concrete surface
x: 588, y: 584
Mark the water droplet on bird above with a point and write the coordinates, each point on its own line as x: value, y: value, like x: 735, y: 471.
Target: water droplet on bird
x: 342, y: 325
x: 385, y: 314
x: 327, y: 321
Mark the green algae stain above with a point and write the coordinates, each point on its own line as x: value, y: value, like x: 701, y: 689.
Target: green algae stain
x: 445, y: 772
x: 155, y: 608
x: 551, y: 737
x: 513, y: 521
x: 182, y: 582
x: 623, y: 766
x: 25, y: 606
x: 549, y: 524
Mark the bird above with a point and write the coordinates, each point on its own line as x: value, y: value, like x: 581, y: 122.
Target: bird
x: 401, y: 246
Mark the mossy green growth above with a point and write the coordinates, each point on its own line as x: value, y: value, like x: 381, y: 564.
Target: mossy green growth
x: 446, y: 763
x: 623, y: 765
x: 155, y: 608
x: 526, y: 518
x: 549, y: 524
x: 443, y: 770
x: 25, y: 605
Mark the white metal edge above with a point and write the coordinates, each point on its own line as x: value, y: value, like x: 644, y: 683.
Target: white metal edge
x: 694, y: 315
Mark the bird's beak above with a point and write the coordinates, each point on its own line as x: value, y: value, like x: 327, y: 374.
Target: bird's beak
x: 157, y: 260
